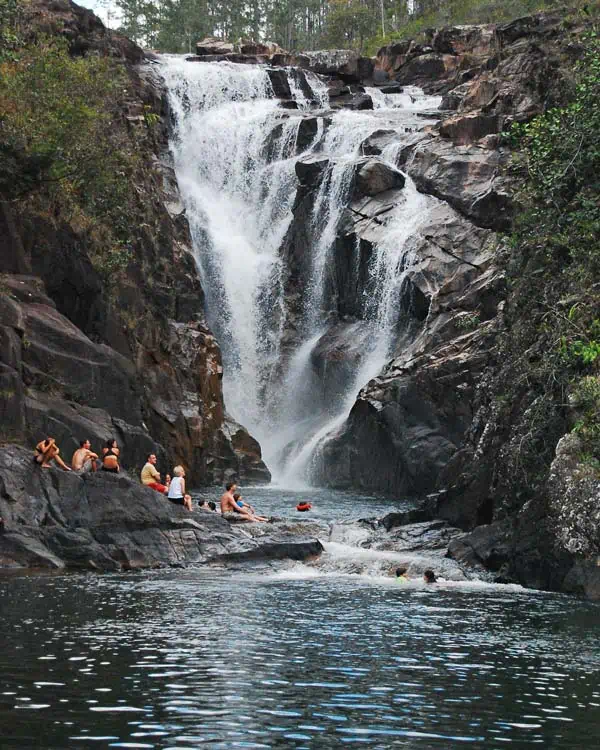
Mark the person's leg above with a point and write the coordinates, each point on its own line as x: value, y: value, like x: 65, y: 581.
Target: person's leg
x: 60, y: 462
x: 48, y: 456
x: 246, y: 514
x: 188, y: 501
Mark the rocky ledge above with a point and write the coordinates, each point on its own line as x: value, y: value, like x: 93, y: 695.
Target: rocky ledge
x: 55, y: 519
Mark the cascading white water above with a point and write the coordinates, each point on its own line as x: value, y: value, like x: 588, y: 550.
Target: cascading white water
x: 234, y: 152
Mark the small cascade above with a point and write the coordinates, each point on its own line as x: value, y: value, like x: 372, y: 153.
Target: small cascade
x: 410, y: 98
x: 235, y: 152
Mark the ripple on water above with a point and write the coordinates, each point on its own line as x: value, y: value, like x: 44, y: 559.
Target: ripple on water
x: 215, y: 659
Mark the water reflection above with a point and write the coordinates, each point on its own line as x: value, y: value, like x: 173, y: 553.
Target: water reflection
x: 221, y: 659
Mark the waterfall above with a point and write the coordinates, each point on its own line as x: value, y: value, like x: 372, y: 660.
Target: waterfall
x: 234, y: 152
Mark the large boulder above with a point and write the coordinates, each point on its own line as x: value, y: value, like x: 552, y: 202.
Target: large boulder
x: 467, y: 177
x: 310, y: 170
x: 345, y: 64
x: 465, y: 129
x: 212, y: 46
x: 373, y: 177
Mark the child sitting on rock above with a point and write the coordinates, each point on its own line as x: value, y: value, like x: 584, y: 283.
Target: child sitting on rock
x: 176, y: 493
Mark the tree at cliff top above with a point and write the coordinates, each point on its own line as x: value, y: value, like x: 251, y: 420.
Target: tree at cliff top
x: 175, y: 25
x: 59, y: 151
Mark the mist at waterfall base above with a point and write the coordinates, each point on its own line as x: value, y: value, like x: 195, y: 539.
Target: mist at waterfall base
x: 214, y: 658
x: 235, y: 151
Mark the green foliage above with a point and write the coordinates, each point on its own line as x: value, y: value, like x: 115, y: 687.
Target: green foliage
x: 468, y: 322
x: 176, y: 25
x: 430, y: 14
x: 60, y: 146
x: 349, y: 23
x: 10, y: 37
x: 585, y: 399
x: 555, y: 262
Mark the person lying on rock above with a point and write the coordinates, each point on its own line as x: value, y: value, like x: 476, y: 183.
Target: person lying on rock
x: 84, y: 459
x: 46, y: 451
x: 176, y: 493
x: 229, y: 506
x: 150, y: 476
x: 241, y: 504
x: 110, y: 457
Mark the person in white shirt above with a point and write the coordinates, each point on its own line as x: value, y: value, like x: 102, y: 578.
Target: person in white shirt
x: 177, y: 493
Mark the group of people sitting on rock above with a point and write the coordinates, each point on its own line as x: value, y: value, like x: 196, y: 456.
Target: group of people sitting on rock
x: 84, y: 459
x: 173, y: 488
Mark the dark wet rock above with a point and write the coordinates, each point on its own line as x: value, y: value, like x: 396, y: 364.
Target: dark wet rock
x: 380, y: 76
x: 307, y: 132
x: 310, y: 170
x: 393, y: 88
x: 276, y: 549
x: 427, y: 535
x: 361, y: 101
x: 257, y: 48
x: 280, y: 83
x: 350, y: 98
x: 426, y: 68
x: 486, y: 545
x: 377, y: 141
x: 453, y: 98
x: 373, y: 177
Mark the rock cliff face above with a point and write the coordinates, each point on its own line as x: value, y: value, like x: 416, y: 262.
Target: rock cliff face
x: 434, y: 420
x: 127, y: 356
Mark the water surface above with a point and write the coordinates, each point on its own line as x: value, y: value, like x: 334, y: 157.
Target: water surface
x: 254, y: 658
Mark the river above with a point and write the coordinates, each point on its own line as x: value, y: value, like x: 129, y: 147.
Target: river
x: 293, y: 656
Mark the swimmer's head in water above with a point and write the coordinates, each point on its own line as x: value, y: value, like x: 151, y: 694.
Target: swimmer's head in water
x: 429, y: 576
x: 400, y: 572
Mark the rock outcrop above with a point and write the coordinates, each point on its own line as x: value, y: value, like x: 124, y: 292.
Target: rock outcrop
x: 127, y: 355
x: 102, y: 521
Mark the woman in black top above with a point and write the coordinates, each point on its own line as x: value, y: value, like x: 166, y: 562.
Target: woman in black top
x: 110, y: 457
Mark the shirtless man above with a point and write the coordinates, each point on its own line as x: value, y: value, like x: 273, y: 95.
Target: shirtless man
x: 242, y: 504
x: 229, y: 505
x: 84, y: 459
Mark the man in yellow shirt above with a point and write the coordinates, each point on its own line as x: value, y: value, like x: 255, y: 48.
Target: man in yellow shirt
x: 150, y: 476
